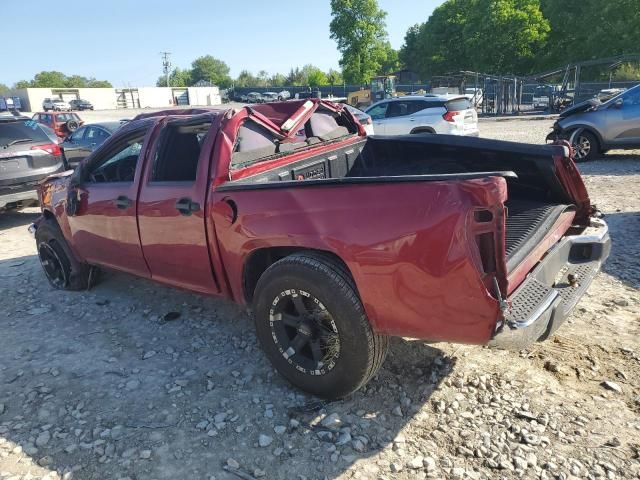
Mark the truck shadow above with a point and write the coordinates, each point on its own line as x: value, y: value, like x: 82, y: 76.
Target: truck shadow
x: 612, y: 164
x: 624, y: 261
x: 135, y: 379
x: 15, y: 218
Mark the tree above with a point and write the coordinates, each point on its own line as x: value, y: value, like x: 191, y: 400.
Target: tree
x: 246, y: 79
x: 211, y: 70
x: 54, y: 79
x: 493, y: 36
x: 278, y: 80
x: 296, y: 78
x: 391, y: 59
x: 3, y: 89
x: 177, y: 78
x: 334, y: 77
x: 359, y: 29
x: 589, y: 29
x: 51, y: 79
x: 315, y: 76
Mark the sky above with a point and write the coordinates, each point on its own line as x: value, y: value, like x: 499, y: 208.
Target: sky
x: 121, y: 40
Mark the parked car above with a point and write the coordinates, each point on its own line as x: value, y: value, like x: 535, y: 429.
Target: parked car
x: 475, y: 96
x: 80, y: 104
x: 27, y: 155
x: 86, y: 139
x: 362, y: 117
x: 593, y: 127
x: 440, y: 114
x: 284, y: 95
x: 56, y: 104
x: 254, y: 97
x: 336, y: 242
x: 62, y: 123
x: 269, y: 97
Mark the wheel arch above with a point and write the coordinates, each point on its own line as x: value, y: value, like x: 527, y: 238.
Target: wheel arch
x: 259, y: 260
x: 579, y: 128
x: 422, y: 130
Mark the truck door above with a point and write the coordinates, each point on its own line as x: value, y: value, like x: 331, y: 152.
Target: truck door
x: 104, y: 227
x: 171, y: 205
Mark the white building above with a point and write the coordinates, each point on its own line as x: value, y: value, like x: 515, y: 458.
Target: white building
x: 113, y: 98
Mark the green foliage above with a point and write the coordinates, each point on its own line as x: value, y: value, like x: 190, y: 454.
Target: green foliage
x: 177, y: 78
x: 520, y: 36
x: 589, y: 29
x: 334, y: 77
x: 211, y: 70
x: 359, y: 29
x: 496, y: 36
x: 3, y: 88
x: 627, y: 72
x: 54, y: 79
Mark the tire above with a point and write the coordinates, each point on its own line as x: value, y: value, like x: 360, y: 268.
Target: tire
x: 585, y: 146
x: 72, y: 125
x: 341, y: 353
x: 60, y: 267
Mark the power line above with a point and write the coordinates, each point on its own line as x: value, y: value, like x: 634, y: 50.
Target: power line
x: 166, y: 65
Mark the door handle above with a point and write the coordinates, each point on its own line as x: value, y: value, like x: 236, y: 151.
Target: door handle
x: 122, y: 202
x: 186, y: 207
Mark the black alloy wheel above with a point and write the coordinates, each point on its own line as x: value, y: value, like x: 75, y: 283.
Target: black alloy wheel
x: 304, y: 331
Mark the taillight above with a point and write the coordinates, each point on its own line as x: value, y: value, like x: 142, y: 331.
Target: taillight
x: 50, y: 148
x: 448, y: 116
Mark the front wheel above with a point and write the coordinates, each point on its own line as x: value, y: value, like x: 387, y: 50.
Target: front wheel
x: 313, y: 328
x: 60, y: 267
x: 585, y: 147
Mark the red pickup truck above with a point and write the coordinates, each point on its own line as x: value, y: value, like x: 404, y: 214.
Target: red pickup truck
x: 333, y: 240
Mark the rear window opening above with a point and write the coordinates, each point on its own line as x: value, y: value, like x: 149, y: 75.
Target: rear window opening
x: 21, y: 132
x: 255, y: 143
x: 458, y: 104
x: 176, y: 159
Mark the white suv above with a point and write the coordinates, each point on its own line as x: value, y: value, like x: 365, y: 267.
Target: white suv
x: 444, y: 114
x: 56, y: 104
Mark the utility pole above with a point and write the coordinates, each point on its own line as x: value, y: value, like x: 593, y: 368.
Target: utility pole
x: 166, y: 65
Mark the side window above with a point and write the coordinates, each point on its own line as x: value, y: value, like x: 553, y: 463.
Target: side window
x: 77, y: 135
x: 631, y: 98
x: 397, y: 109
x: 419, y: 105
x: 176, y: 158
x: 379, y: 111
x: 118, y: 164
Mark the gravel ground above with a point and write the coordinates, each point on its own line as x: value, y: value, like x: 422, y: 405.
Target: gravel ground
x: 104, y: 384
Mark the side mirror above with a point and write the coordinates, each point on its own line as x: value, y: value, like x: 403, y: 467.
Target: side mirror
x: 618, y: 103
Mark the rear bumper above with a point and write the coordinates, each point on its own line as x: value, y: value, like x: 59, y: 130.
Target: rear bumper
x: 546, y: 298
x: 21, y: 196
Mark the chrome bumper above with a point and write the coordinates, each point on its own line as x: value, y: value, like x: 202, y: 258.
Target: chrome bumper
x: 550, y: 292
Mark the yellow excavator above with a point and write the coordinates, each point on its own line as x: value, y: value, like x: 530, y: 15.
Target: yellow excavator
x: 380, y: 88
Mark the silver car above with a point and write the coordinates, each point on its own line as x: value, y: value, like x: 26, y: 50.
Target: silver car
x: 593, y: 127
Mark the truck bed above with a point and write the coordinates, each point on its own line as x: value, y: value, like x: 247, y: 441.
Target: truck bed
x: 536, y: 198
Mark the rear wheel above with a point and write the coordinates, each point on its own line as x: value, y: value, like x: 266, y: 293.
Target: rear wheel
x: 585, y: 146
x: 60, y: 267
x: 313, y: 328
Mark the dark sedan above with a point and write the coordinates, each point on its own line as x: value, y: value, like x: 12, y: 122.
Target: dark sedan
x: 80, y: 104
x: 86, y: 139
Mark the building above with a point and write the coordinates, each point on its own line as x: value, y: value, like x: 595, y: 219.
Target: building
x: 113, y: 98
